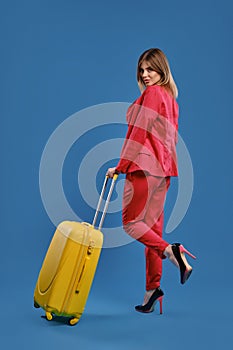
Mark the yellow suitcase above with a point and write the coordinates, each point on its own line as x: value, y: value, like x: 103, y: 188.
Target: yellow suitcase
x: 69, y: 266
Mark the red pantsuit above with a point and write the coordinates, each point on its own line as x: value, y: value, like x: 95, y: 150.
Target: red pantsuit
x: 148, y: 158
x: 143, y: 214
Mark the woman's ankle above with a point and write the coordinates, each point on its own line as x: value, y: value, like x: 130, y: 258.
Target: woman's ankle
x: 168, y: 252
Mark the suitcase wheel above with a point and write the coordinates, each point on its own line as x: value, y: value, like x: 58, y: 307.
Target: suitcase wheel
x: 49, y: 316
x: 73, y: 321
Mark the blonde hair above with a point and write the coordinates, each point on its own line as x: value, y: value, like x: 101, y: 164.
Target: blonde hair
x: 159, y: 63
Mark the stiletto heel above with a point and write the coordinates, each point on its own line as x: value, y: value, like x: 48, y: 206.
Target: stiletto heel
x: 183, y: 250
x: 185, y: 269
x: 149, y: 306
x: 160, y: 305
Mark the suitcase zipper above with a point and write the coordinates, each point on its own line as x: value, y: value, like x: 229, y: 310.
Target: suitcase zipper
x: 74, y: 276
x: 89, y: 252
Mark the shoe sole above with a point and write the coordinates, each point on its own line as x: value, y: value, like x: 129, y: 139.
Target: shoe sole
x: 186, y: 276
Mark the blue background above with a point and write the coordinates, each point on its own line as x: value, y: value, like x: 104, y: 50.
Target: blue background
x: 58, y: 57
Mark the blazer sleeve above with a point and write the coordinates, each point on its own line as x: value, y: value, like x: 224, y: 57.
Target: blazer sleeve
x: 141, y: 117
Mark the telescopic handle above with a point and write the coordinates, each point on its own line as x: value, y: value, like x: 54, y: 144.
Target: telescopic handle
x: 115, y: 176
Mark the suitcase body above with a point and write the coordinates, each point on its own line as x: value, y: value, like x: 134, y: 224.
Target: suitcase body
x: 69, y: 266
x: 68, y: 270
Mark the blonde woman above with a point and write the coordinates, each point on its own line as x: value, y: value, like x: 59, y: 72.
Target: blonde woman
x: 148, y: 158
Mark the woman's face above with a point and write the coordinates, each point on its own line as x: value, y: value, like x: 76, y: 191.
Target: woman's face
x: 148, y: 75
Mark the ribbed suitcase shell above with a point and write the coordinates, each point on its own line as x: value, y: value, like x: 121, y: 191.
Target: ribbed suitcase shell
x: 68, y: 270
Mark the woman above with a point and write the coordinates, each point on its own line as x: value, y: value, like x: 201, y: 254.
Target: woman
x: 148, y: 158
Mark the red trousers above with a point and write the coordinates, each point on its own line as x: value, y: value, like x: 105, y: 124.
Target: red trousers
x: 143, y: 217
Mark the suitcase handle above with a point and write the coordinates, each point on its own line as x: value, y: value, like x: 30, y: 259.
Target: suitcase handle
x: 115, y: 176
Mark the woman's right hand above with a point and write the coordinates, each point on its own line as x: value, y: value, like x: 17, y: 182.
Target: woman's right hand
x: 111, y: 172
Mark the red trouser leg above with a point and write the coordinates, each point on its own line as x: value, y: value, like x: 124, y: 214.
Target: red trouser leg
x: 143, y: 205
x: 153, y: 259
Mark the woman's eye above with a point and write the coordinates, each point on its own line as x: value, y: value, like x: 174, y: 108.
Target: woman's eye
x: 149, y: 69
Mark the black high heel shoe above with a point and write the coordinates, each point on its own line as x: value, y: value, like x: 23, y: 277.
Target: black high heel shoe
x: 185, y: 269
x: 149, y: 306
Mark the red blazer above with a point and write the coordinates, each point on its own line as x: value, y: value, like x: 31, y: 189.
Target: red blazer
x: 150, y: 143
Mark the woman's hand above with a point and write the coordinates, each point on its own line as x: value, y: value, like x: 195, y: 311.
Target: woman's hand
x: 111, y: 172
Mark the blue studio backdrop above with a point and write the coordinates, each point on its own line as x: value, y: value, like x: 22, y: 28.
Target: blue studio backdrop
x: 59, y: 58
